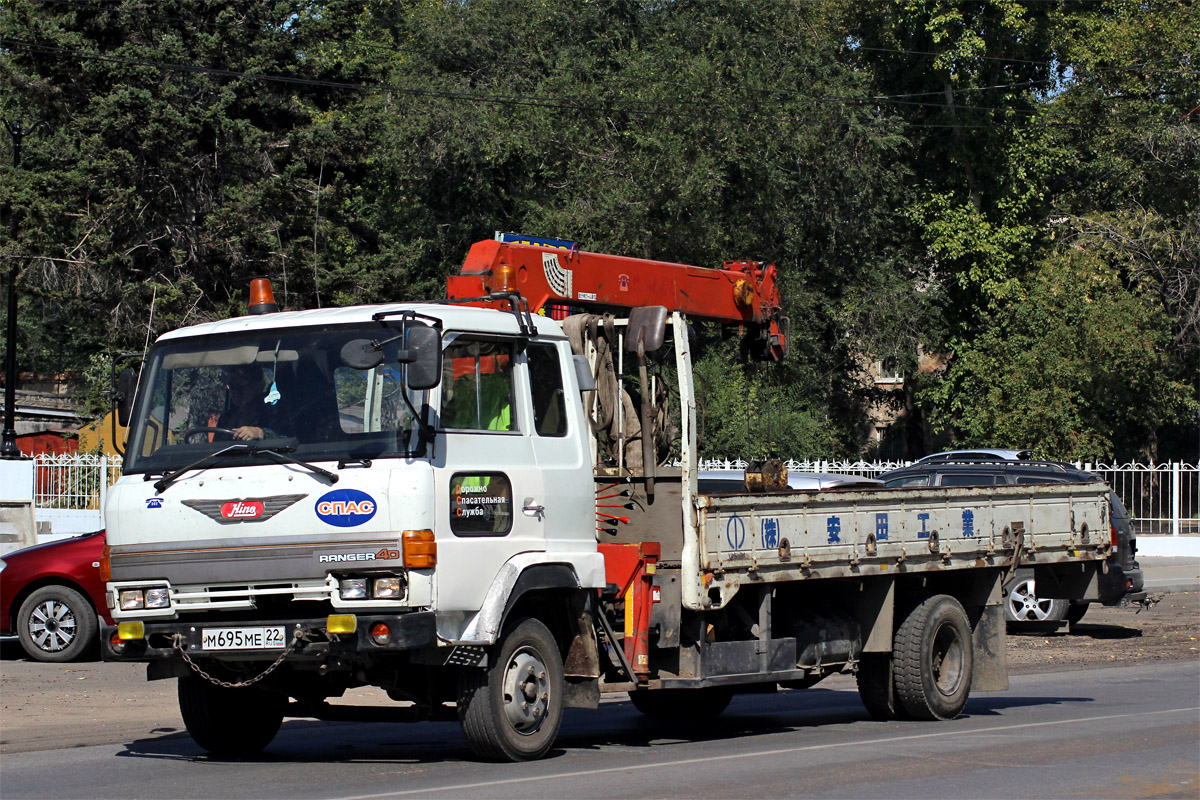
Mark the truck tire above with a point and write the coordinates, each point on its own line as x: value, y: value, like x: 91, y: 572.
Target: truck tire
x: 229, y: 722
x: 57, y: 624
x: 688, y: 705
x: 933, y: 659
x: 877, y: 687
x: 512, y: 710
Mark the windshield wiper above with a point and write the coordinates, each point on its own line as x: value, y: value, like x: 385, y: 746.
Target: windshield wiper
x: 166, y: 480
x: 280, y: 458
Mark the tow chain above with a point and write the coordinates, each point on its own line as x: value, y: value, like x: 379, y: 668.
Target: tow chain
x: 178, y: 640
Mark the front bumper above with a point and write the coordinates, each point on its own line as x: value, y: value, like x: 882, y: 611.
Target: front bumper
x: 413, y: 631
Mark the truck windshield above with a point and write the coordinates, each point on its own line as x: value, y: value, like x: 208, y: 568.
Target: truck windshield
x: 286, y: 390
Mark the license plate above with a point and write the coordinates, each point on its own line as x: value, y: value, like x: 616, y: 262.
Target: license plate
x: 264, y: 638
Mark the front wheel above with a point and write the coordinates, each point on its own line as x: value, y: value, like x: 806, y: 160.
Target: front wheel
x: 934, y: 659
x: 229, y: 722
x: 56, y: 624
x: 512, y: 710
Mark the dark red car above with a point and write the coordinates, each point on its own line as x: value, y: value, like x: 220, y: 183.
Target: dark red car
x: 50, y: 595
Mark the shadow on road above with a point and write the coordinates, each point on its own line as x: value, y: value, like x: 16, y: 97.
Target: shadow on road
x: 987, y: 705
x: 1087, y: 631
x: 1080, y: 630
x: 614, y: 724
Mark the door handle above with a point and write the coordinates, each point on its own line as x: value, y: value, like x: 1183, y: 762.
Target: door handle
x: 532, y: 509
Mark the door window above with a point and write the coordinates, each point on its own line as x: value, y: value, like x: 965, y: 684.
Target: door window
x: 546, y: 383
x: 477, y: 386
x: 968, y: 479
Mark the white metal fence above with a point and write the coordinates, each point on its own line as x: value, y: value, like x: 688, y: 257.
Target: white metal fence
x: 69, y: 490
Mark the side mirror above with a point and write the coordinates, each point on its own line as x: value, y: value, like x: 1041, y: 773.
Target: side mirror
x: 423, y: 346
x: 647, y: 324
x: 126, y: 386
x: 362, y: 354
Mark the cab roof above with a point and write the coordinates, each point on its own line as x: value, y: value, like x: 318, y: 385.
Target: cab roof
x: 453, y: 317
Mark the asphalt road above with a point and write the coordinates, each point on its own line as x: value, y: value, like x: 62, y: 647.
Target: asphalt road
x: 1119, y: 732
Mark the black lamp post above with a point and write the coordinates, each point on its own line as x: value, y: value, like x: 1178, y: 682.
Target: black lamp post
x: 8, y: 444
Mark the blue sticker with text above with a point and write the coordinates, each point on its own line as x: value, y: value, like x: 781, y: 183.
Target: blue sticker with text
x: 154, y: 502
x: 924, y: 532
x: 968, y: 523
x: 834, y: 527
x: 345, y: 508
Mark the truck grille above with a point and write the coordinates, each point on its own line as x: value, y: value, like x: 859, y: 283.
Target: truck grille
x: 246, y: 596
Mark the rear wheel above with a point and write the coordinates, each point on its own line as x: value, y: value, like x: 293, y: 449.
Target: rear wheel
x: 512, y: 710
x: 934, y: 659
x: 1024, y: 605
x: 229, y: 722
x: 56, y: 623
x: 693, y: 705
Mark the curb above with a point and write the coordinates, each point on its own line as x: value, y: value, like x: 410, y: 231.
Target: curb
x: 1170, y: 587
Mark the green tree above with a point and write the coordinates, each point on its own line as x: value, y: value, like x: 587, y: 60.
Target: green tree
x: 1074, y: 366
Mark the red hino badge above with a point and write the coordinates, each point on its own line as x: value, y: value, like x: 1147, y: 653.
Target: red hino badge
x: 247, y: 509
x: 242, y: 509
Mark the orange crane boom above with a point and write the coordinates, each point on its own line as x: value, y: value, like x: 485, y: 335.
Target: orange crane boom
x: 740, y: 292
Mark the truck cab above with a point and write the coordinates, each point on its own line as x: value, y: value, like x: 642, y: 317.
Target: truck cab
x: 345, y: 489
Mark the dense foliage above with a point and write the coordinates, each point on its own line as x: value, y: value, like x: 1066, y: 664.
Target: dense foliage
x: 1014, y: 185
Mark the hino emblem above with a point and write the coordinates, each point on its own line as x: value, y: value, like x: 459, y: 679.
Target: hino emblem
x: 249, y: 509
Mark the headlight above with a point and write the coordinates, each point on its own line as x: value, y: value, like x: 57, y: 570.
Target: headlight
x: 353, y: 588
x: 158, y: 598
x: 131, y: 599
x: 387, y: 588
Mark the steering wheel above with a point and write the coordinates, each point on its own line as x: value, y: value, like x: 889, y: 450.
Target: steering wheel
x: 190, y: 432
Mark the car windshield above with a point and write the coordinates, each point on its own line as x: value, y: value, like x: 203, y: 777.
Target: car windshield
x: 284, y: 390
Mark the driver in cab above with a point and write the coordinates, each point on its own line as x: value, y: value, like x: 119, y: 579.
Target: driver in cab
x: 248, y: 416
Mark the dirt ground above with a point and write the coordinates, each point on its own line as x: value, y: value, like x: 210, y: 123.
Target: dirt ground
x: 52, y: 706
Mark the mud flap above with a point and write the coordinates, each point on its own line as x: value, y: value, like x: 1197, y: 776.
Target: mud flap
x: 991, y: 657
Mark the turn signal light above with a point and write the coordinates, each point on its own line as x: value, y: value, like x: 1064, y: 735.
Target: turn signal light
x: 504, y: 278
x: 420, y: 549
x: 131, y: 631
x: 381, y: 633
x: 341, y: 623
x: 105, y: 565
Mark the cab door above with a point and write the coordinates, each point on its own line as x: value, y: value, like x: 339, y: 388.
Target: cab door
x: 486, y: 469
x: 560, y: 448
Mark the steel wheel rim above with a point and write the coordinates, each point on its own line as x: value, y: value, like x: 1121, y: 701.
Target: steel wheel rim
x: 1025, y: 603
x: 526, y: 691
x: 52, y: 626
x: 947, y: 659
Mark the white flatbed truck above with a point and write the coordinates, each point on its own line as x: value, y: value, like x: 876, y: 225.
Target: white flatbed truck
x: 421, y: 506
